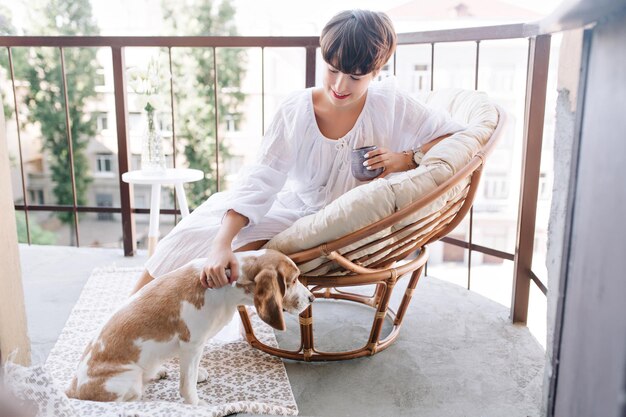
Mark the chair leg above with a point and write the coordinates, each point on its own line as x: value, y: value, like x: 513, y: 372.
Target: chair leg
x: 247, y: 325
x: 378, y: 294
x: 306, y: 333
x: 381, y: 312
x: 415, y: 276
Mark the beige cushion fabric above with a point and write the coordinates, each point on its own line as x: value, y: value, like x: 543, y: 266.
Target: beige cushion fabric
x: 380, y: 198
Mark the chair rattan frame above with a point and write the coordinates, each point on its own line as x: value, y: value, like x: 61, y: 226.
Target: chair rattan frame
x: 384, y: 273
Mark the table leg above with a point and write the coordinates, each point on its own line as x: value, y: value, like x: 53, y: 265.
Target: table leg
x: 155, y: 207
x: 182, y: 199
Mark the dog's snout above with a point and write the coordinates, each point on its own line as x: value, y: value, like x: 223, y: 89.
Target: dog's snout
x: 311, y: 298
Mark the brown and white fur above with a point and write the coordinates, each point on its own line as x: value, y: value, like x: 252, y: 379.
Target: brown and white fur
x: 176, y: 315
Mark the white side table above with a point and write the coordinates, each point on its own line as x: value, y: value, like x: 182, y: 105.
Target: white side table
x: 176, y: 177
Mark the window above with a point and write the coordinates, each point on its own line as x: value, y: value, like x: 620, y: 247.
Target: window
x: 36, y: 196
x: 421, y: 78
x: 164, y: 121
x: 102, y: 121
x: 496, y: 187
x: 545, y: 185
x: 232, y: 122
x: 104, y: 162
x: 100, y: 80
x: 135, y: 161
x: 234, y: 164
x: 140, y: 201
x: 104, y: 200
x: 384, y: 72
x: 134, y: 121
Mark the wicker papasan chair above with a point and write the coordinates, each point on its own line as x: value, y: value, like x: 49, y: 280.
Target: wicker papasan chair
x: 370, y: 235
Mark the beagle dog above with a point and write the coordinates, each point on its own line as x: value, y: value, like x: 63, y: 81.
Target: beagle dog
x: 175, y: 314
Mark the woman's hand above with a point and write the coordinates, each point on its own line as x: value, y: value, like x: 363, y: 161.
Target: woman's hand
x: 221, y: 256
x: 396, y: 162
x: 220, y: 259
x: 390, y: 161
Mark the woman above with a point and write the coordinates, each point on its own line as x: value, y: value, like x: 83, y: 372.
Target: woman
x: 304, y: 162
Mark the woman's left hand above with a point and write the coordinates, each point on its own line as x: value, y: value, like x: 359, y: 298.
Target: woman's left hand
x: 390, y: 161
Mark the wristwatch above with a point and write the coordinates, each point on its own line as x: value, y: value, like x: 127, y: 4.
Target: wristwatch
x: 418, y: 154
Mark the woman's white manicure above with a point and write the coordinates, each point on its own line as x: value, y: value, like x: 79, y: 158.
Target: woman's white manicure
x: 365, y: 164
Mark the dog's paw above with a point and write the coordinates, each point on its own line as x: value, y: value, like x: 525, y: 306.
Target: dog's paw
x: 161, y: 373
x: 191, y: 401
x: 194, y: 400
x: 203, y: 375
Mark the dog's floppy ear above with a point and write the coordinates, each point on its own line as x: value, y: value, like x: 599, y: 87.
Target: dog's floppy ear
x: 268, y: 298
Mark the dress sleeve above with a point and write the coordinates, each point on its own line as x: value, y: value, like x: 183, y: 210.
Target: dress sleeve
x: 257, y: 185
x: 416, y: 124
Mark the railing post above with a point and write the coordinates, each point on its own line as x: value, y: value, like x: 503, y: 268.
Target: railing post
x: 536, y: 83
x: 123, y: 153
x: 310, y: 66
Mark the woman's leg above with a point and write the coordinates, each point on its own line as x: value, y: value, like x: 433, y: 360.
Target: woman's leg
x: 252, y: 246
x: 144, y: 279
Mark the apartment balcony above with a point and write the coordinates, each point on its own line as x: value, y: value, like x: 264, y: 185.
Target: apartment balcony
x: 464, y: 348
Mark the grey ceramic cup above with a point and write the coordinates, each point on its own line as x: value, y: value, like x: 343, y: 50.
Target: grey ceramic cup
x: 359, y: 171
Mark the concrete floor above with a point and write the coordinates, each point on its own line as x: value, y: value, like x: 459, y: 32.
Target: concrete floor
x: 457, y: 354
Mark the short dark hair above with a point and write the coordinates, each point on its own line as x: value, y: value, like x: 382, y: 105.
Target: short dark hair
x: 358, y: 41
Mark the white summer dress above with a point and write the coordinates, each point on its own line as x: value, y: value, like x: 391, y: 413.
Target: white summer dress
x: 298, y: 171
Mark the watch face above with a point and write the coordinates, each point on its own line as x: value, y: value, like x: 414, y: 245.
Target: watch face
x: 417, y: 156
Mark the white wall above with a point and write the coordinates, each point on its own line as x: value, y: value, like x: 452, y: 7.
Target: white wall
x: 13, y: 331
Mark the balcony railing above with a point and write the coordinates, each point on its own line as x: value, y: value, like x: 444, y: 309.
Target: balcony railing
x: 536, y: 85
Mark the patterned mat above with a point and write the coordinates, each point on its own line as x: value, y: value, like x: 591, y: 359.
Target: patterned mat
x: 241, y: 379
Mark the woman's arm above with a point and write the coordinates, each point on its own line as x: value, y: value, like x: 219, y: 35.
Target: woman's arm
x: 396, y: 161
x: 221, y: 256
x: 254, y: 192
x: 427, y: 146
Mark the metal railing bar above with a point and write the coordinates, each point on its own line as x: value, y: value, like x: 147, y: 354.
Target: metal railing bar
x: 311, y: 57
x: 123, y: 150
x: 262, y: 91
x: 536, y: 85
x: 68, y: 208
x: 161, y: 41
x: 161, y: 211
x: 469, y: 247
x: 471, y: 213
x: 432, y: 66
x: 217, y: 122
x: 479, y: 248
x: 70, y: 145
x: 19, y: 144
x: 476, y: 65
x: 169, y: 57
x: 432, y: 83
x: 95, y: 209
x: 512, y: 31
x: 538, y: 282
